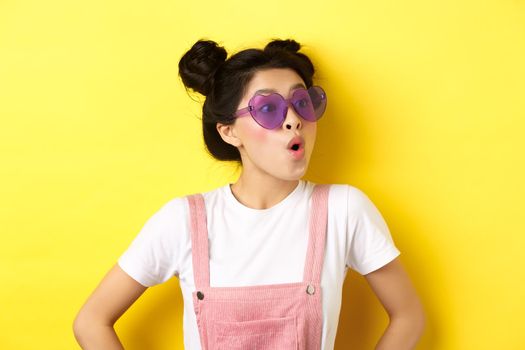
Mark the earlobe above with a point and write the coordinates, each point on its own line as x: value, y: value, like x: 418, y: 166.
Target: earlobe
x: 228, y: 135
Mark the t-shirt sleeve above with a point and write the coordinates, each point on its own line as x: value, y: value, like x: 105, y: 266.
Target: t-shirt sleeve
x: 153, y: 256
x: 371, y: 244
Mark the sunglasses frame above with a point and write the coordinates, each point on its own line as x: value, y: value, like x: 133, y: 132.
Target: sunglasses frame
x: 248, y: 110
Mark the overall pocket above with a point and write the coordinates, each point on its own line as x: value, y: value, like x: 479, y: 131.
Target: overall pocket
x: 266, y: 334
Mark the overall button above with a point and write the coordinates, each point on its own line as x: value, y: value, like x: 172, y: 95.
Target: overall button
x: 200, y: 296
x: 310, y: 289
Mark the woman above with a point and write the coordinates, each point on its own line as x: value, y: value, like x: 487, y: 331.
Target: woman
x: 261, y: 262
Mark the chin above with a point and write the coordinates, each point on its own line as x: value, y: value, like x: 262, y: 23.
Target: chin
x: 294, y: 176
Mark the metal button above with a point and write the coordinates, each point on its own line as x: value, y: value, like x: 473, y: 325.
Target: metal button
x: 200, y: 296
x: 310, y: 289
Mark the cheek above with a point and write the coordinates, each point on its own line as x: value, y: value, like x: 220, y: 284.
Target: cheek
x: 260, y: 143
x: 260, y: 134
x: 310, y: 130
x: 256, y: 133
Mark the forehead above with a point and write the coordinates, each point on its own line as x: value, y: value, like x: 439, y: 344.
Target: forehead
x: 280, y: 80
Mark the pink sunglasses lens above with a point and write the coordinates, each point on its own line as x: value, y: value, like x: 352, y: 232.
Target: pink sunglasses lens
x: 318, y: 98
x: 269, y: 111
x: 302, y: 104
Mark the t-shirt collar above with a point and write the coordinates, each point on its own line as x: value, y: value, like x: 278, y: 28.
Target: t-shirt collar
x: 292, y: 196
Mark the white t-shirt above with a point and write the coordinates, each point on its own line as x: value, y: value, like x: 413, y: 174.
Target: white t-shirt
x: 262, y: 246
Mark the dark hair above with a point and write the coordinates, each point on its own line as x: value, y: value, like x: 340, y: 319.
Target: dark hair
x: 205, y: 69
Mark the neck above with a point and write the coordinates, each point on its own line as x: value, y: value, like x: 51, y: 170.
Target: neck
x: 257, y: 191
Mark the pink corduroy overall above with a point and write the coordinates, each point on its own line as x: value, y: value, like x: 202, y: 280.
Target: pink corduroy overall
x: 265, y: 317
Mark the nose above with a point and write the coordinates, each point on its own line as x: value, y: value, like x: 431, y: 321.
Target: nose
x: 292, y: 121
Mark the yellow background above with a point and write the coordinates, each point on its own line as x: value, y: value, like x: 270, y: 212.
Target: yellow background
x: 426, y: 116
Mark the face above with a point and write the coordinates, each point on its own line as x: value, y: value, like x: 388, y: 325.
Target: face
x: 271, y: 152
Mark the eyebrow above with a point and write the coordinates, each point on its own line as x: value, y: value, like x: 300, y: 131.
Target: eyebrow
x: 266, y: 91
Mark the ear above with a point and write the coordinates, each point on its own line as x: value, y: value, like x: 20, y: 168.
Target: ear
x: 227, y: 133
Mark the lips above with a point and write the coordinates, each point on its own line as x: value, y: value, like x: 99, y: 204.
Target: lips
x: 296, y: 144
x: 296, y: 148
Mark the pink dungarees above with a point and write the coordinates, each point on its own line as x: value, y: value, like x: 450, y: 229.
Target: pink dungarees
x: 267, y: 317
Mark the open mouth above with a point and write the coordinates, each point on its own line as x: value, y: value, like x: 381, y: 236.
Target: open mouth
x: 297, y: 150
x: 296, y: 147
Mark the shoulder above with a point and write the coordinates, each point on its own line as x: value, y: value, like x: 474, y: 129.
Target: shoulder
x: 178, y: 207
x: 348, y: 195
x: 171, y: 211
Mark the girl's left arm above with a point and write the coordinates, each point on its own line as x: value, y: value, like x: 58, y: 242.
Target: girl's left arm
x: 395, y: 291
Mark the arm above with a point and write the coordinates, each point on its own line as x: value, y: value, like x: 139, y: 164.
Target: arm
x: 394, y: 290
x: 93, y: 326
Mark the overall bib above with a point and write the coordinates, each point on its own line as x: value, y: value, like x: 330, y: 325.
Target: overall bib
x: 284, y: 316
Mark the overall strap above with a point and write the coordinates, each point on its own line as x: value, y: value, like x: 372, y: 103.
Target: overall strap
x: 199, y: 241
x: 317, y: 239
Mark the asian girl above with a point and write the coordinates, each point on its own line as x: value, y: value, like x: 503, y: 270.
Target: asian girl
x: 261, y: 262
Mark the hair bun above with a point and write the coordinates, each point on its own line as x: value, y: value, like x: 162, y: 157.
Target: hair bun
x: 198, y: 66
x: 284, y: 45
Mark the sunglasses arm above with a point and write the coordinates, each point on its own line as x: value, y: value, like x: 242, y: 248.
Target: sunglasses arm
x: 243, y: 111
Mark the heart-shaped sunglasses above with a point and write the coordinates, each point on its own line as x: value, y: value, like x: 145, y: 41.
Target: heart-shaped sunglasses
x: 269, y: 111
